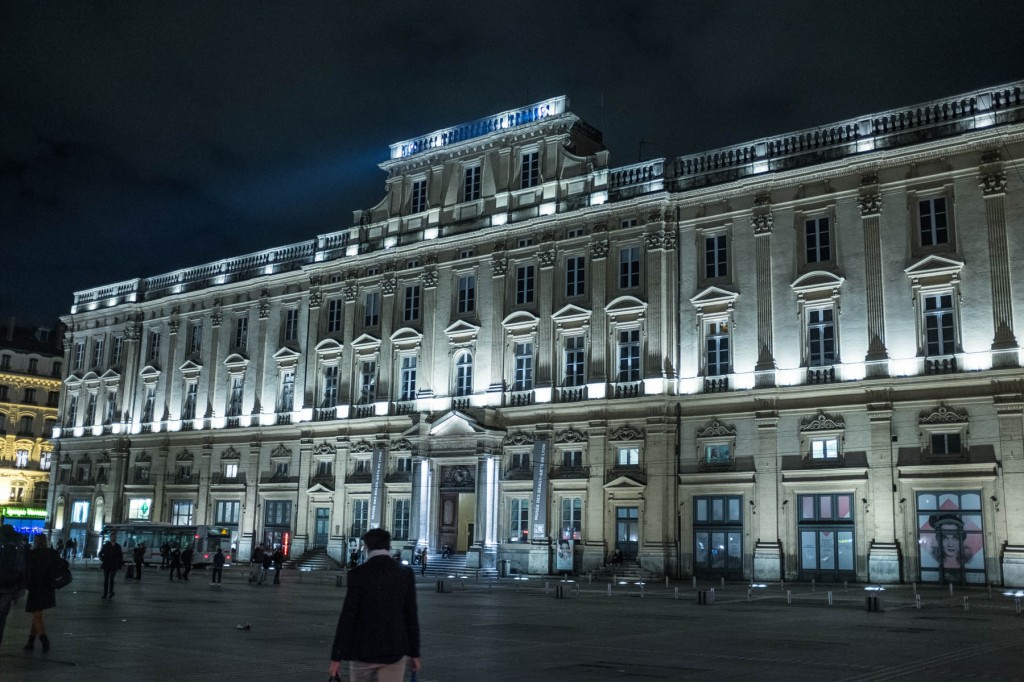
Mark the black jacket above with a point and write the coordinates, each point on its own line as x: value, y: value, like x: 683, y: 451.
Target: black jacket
x: 378, y: 622
x: 111, y: 556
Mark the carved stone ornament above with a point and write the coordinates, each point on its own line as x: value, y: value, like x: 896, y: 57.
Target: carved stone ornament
x: 430, y: 279
x: 763, y: 199
x: 570, y: 436
x: 401, y: 445
x: 388, y: 284
x: 599, y: 249
x: 458, y: 477
x: 518, y: 438
x: 868, y: 179
x: 762, y: 224
x: 264, y: 308
x: 230, y: 453
x: 142, y: 458
x: 716, y: 429
x: 104, y: 458
x: 870, y: 204
x: 185, y: 456
x: 652, y: 240
x: 280, y: 452
x: 668, y: 240
x: 499, y: 266
x: 362, y: 447
x: 822, y: 422
x: 992, y: 184
x: 627, y: 432
x: 324, y: 450
x: 316, y: 297
x: 546, y: 258
x: 172, y: 326
x: 944, y: 415
x: 132, y: 332
x: 351, y: 292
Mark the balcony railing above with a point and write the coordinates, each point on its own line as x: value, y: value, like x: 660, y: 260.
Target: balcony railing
x: 284, y: 418
x: 521, y: 398
x: 521, y: 473
x: 571, y: 394
x: 821, y: 375
x: 628, y: 389
x: 398, y: 477
x: 940, y: 364
x: 186, y: 479
x: 325, y: 414
x: 404, y: 407
x: 220, y: 478
x: 570, y: 472
x: 460, y: 403
x: 362, y: 411
x: 716, y: 384
x: 358, y: 477
x: 276, y: 477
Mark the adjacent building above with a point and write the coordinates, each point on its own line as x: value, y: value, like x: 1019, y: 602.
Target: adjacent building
x: 30, y: 381
x: 796, y: 358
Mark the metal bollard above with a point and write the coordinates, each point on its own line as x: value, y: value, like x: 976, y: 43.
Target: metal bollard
x: 830, y: 597
x: 966, y: 606
x: 695, y: 582
x: 1016, y: 603
x: 609, y: 589
x: 748, y: 595
x: 789, y: 597
x: 666, y: 581
x: 844, y: 586
x: 723, y: 582
x: 675, y: 593
x: 917, y: 601
x: 641, y: 590
x: 951, y: 589
x: 546, y: 586
x: 814, y: 587
x: 712, y: 595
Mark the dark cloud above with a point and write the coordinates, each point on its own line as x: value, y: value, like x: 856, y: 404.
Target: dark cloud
x: 137, y: 138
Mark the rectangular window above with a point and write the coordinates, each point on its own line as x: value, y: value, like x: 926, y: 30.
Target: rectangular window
x: 182, y: 512
x: 291, y: 324
x: 154, y: 347
x: 817, y: 240
x: 934, y: 226
x: 519, y: 520
x: 938, y: 324
x: 45, y: 460
x: 629, y: 267
x: 231, y: 470
x: 400, y: 514
x: 80, y: 511
x: 277, y: 512
x: 466, y: 294
x: 629, y: 355
x: 945, y: 443
x: 188, y: 410
x: 195, y: 338
x: 716, y: 344
x: 408, y: 378
x: 628, y: 457
x: 523, y: 361
x: 335, y: 310
x: 227, y: 511
x: 820, y: 337
x: 287, y: 402
x: 241, y: 332
x: 419, y: 196
x: 115, y: 354
x: 575, y: 276
x: 572, y: 459
x: 530, y: 176
x: 524, y: 284
x: 464, y: 375
x: 572, y: 518
x: 371, y: 309
x: 21, y: 459
x: 97, y: 354
x: 33, y: 363
x: 360, y: 517
x: 79, y: 355
x: 825, y: 448
x: 471, y: 183
x: 58, y: 366
x: 330, y: 387
x: 149, y: 406
x: 411, y: 309
x: 717, y: 453
x: 403, y: 465
x: 367, y: 381
x: 30, y: 396
x: 235, y: 399
x: 5, y: 362
x: 575, y: 352
x: 716, y: 257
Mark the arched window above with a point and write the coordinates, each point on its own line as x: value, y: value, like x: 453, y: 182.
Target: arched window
x: 97, y: 524
x: 464, y: 374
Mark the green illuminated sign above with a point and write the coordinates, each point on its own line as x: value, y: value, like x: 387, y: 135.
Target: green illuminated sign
x: 23, y: 513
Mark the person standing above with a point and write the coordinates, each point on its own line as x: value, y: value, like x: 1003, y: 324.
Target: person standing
x: 42, y: 566
x: 255, y: 564
x: 423, y: 561
x: 278, y: 561
x: 111, y: 560
x: 14, y: 562
x: 265, y: 564
x: 165, y: 556
x: 174, y: 563
x: 218, y: 567
x: 378, y: 630
x: 138, y: 558
x: 186, y: 562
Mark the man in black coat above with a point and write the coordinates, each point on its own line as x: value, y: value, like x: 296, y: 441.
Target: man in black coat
x: 111, y: 560
x: 378, y: 631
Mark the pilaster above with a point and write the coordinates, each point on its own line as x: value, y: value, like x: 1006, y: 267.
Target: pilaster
x: 545, y: 352
x: 762, y: 222
x: 870, y: 203
x: 1008, y: 399
x: 1004, y: 343
x: 767, y: 546
x: 305, y: 382
x: 598, y: 345
x: 216, y: 318
x: 884, y: 551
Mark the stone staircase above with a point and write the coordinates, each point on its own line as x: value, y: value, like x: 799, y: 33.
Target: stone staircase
x: 315, y: 559
x: 628, y: 570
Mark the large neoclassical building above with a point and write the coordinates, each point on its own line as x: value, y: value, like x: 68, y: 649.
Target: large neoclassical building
x: 795, y: 357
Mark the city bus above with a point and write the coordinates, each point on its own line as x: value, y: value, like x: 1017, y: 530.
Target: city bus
x: 205, y: 540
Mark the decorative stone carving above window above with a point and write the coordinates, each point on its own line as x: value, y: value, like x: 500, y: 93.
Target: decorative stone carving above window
x: 570, y: 436
x: 362, y: 447
x: 230, y: 453
x: 822, y: 422
x: 185, y: 456
x: 280, y: 452
x: 716, y: 429
x: 401, y: 445
x: 627, y: 432
x: 324, y: 450
x: 518, y: 438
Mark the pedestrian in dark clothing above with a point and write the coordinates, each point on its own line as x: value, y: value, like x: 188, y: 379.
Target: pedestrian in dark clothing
x: 138, y: 558
x: 165, y: 556
x: 278, y: 560
x: 265, y: 565
x: 60, y: 549
x: 256, y: 564
x: 186, y: 562
x: 218, y: 567
x: 423, y: 561
x: 111, y: 560
x: 72, y: 550
x: 378, y: 631
x: 174, y: 564
x: 41, y: 595
x: 14, y: 577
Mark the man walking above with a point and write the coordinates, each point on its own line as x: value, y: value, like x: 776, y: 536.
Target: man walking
x: 138, y: 558
x: 218, y: 567
x: 186, y: 562
x: 111, y: 560
x: 13, y: 570
x: 378, y: 631
x: 278, y: 560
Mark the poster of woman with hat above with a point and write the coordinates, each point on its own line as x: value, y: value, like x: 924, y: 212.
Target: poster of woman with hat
x: 950, y: 545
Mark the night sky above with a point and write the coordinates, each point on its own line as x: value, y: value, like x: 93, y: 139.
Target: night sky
x: 138, y: 138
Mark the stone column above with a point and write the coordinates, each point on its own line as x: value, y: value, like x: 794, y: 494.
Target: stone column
x: 598, y: 341
x: 386, y: 363
x: 248, y: 518
x: 767, y: 546
x: 1009, y: 404
x: 131, y: 352
x: 499, y: 271
x: 347, y: 367
x: 261, y: 351
x: 1004, y: 344
x: 884, y: 552
x: 546, y: 288
x: 216, y: 318
x: 429, y: 369
x: 870, y: 202
x: 762, y: 225
x: 305, y: 382
x: 170, y: 387
x: 598, y: 532
x: 484, y: 551
x: 301, y: 532
x: 420, y: 502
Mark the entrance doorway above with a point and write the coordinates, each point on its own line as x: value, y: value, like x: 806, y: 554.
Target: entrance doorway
x: 627, y: 531
x: 322, y: 526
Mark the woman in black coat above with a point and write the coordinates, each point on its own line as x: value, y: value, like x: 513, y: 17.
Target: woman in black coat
x: 42, y: 563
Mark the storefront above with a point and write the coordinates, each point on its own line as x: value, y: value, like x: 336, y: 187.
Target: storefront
x: 29, y: 521
x: 718, y: 536
x: 827, y: 533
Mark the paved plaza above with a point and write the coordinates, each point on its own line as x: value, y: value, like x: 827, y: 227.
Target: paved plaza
x: 519, y: 630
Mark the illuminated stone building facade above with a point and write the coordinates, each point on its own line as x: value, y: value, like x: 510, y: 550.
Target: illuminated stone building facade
x: 795, y: 357
x: 30, y: 371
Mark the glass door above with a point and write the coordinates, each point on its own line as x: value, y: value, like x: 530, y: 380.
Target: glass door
x: 627, y: 531
x: 322, y: 527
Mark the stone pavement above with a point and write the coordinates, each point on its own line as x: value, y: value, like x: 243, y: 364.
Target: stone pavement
x: 518, y: 630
